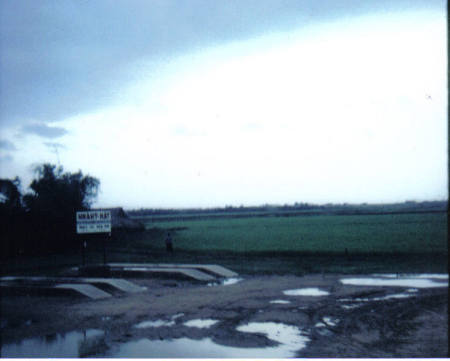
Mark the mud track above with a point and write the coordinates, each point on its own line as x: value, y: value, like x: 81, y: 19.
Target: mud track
x: 396, y: 327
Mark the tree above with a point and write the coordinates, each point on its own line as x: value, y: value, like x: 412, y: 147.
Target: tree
x: 54, y: 191
x: 52, y: 204
x: 10, y: 197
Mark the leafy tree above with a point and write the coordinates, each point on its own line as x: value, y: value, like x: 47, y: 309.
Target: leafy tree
x: 52, y: 204
x: 54, y: 191
x: 10, y: 197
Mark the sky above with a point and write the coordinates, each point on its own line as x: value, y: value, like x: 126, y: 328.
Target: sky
x: 179, y: 104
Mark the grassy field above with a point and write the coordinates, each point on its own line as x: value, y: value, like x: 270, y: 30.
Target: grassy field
x: 393, y: 233
x: 403, y: 243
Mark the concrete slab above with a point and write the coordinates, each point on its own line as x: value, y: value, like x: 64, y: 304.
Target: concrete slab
x: 119, y: 284
x: 190, y: 273
x: 44, y: 288
x: 209, y: 268
x: 85, y: 289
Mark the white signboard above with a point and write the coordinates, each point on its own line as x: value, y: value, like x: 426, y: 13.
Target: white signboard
x: 94, y: 222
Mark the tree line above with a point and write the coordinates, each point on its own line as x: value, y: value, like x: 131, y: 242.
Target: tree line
x: 307, y: 208
x: 42, y: 220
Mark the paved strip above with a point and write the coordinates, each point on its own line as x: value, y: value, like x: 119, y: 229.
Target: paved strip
x: 119, y: 284
x: 87, y: 290
x: 191, y: 273
x: 210, y: 268
x: 84, y: 289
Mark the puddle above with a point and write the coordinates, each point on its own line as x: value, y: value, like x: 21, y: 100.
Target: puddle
x: 178, y: 315
x: 330, y: 322
x: 366, y: 299
x: 290, y: 338
x: 423, y: 275
x: 306, y: 292
x: 389, y: 297
x: 281, y: 302
x: 350, y: 307
x: 200, y: 323
x: 399, y: 282
x: 225, y: 282
x: 72, y: 344
x: 157, y: 323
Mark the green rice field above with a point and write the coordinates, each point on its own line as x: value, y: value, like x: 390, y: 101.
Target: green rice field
x: 386, y: 233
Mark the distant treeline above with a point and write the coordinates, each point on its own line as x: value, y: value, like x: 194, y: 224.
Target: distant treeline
x: 296, y: 208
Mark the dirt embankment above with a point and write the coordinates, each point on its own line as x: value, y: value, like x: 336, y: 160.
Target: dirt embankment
x: 362, y: 323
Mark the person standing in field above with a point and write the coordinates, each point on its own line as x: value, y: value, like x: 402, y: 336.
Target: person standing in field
x: 169, y: 245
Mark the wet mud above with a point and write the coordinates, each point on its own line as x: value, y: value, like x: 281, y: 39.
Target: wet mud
x: 254, y: 317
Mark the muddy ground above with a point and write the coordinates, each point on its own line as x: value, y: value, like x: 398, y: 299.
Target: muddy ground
x: 400, y: 327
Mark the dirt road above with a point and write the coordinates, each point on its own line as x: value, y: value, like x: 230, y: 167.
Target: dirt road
x: 343, y: 321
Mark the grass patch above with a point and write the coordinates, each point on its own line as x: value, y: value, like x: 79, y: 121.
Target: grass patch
x: 403, y: 243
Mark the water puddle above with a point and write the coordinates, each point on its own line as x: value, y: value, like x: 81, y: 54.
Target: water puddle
x: 330, y: 322
x: 156, y: 323
x: 423, y: 275
x: 398, y: 282
x: 281, y: 302
x: 225, y: 282
x: 350, y: 307
x: 200, y: 323
x: 390, y: 297
x: 72, y: 344
x: 306, y: 292
x: 290, y: 338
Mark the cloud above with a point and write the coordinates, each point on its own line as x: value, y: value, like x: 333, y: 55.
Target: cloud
x: 6, y: 158
x: 54, y: 145
x: 44, y: 130
x: 7, y: 145
x: 74, y: 57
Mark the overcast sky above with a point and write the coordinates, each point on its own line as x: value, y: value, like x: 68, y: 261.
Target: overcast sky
x: 174, y: 103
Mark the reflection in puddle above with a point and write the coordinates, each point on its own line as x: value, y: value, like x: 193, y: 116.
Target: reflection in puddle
x: 423, y: 275
x: 281, y: 302
x: 350, y: 307
x: 72, y: 344
x: 399, y: 282
x: 200, y: 323
x: 231, y: 281
x: 226, y: 282
x: 389, y: 297
x: 157, y: 323
x: 178, y: 315
x: 289, y: 337
x: 330, y: 322
x: 306, y: 292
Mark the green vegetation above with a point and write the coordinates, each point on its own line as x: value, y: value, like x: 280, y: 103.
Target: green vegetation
x: 391, y: 233
x: 404, y: 243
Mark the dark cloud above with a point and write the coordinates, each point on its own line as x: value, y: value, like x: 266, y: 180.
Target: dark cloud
x: 44, y: 130
x: 7, y: 145
x: 63, y: 57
